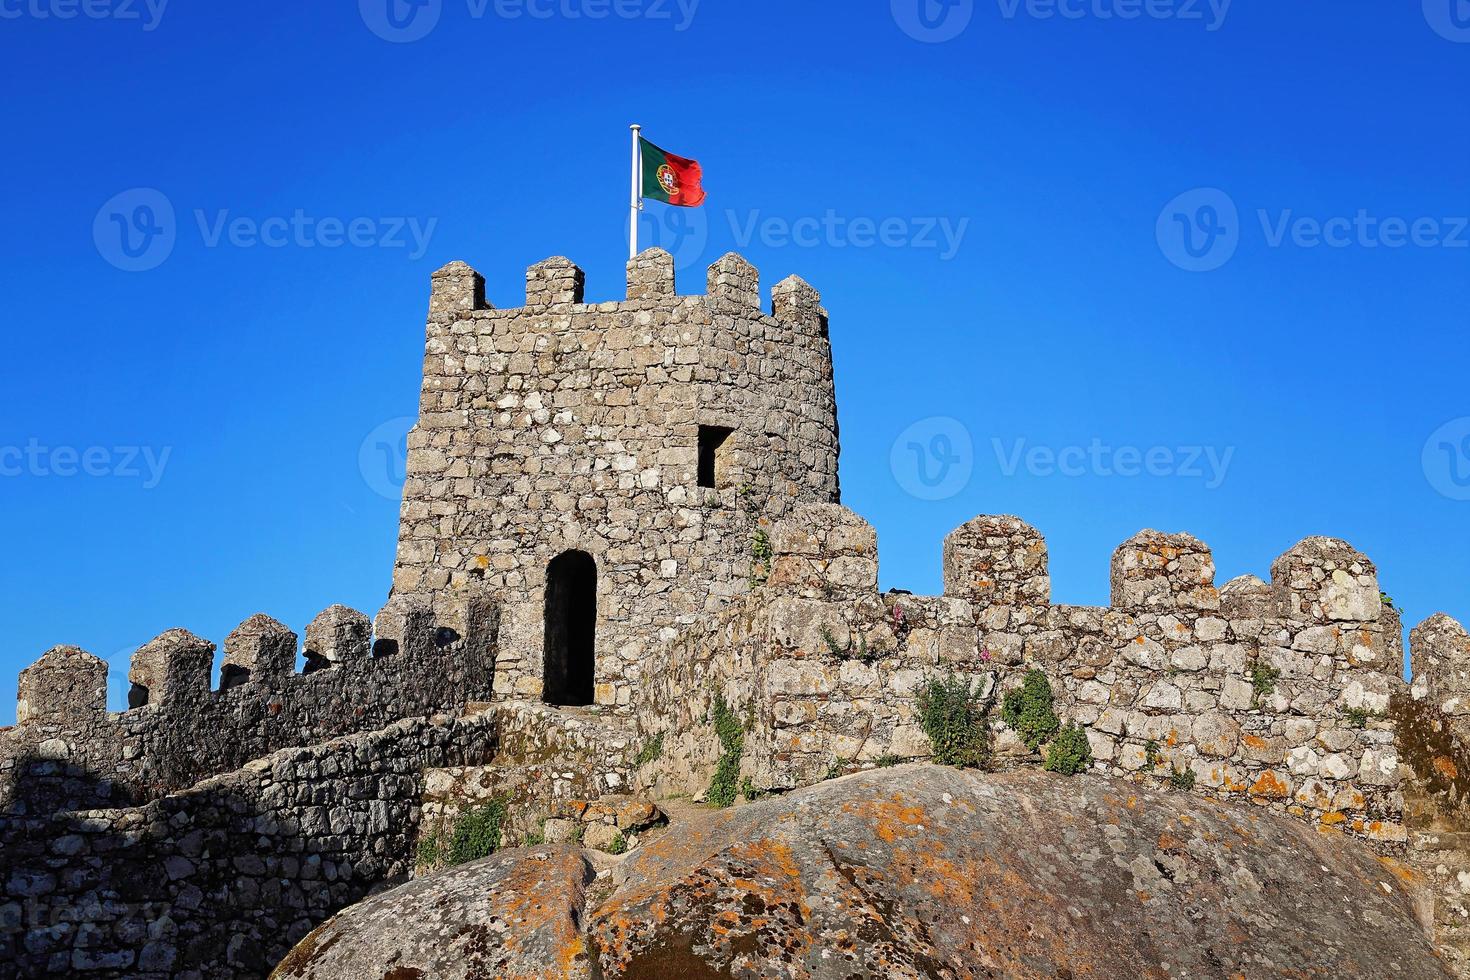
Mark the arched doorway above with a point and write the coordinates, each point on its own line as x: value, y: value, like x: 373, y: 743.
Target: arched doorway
x: 571, y: 628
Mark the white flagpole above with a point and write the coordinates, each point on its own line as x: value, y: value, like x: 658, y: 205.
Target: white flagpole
x: 637, y: 199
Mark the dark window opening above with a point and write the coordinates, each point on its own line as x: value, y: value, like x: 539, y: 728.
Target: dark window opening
x: 714, y: 455
x: 233, y: 675
x: 384, y: 648
x: 315, y: 662
x: 137, y: 696
x: 571, y: 628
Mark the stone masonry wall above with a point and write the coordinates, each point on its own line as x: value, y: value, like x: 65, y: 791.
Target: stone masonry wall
x: 221, y: 880
x: 1274, y: 693
x: 567, y: 425
x: 68, y: 752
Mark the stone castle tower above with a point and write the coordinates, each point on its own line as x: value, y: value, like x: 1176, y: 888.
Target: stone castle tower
x: 606, y: 469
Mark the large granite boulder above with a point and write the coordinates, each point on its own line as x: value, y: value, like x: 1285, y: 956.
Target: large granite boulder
x: 915, y: 871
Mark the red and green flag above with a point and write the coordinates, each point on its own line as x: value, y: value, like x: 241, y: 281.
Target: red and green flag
x: 672, y: 179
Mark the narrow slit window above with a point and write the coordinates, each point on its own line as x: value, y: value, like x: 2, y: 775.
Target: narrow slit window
x: 714, y: 453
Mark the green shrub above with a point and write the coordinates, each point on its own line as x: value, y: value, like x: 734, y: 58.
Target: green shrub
x: 722, y: 788
x: 761, y: 554
x: 428, y: 849
x: 619, y: 844
x: 1151, y: 753
x: 887, y: 759
x: 835, y: 767
x: 476, y: 832
x: 1028, y: 710
x: 953, y: 717
x: 1358, y: 717
x: 1263, y: 681
x: 1069, y: 752
x: 652, y: 751
x: 1182, y: 779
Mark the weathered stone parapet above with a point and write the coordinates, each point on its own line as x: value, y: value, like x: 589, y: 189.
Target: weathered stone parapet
x: 554, y: 282
x: 824, y: 551
x: 793, y: 300
x: 1439, y: 652
x: 1325, y: 580
x: 337, y: 635
x: 405, y: 624
x: 997, y: 560
x: 456, y: 288
x: 174, y: 666
x: 260, y: 650
x: 734, y: 280
x: 1247, y: 598
x: 651, y: 275
x: 66, y: 685
x: 1153, y: 570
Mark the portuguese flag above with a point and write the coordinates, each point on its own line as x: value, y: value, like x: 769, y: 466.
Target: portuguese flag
x: 673, y: 180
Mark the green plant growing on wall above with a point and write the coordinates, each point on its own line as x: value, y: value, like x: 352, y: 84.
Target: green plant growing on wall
x: 953, y: 716
x: 1028, y: 710
x: 1069, y: 752
x: 1387, y: 600
x: 723, y: 787
x: 761, y: 554
x: 652, y: 751
x: 477, y: 832
x: 1151, y: 753
x: 1263, y: 681
x: 886, y: 760
x: 1182, y: 779
x: 618, y: 845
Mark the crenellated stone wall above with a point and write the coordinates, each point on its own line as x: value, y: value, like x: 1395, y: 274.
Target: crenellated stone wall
x: 68, y: 752
x: 1275, y: 694
x: 568, y: 425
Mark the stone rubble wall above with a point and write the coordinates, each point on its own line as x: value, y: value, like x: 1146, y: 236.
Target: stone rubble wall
x: 68, y: 752
x: 569, y: 425
x: 221, y: 880
x: 1276, y: 694
x: 547, y: 759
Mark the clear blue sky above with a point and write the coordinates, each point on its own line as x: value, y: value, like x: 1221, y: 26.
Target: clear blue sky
x: 1060, y: 312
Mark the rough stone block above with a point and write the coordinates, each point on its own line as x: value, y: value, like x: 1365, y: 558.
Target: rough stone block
x: 651, y: 275
x: 793, y: 300
x: 997, y: 560
x: 1325, y: 580
x: 1153, y: 570
x: 457, y: 288
x: 259, y: 649
x: 734, y: 280
x: 338, y: 635
x: 553, y: 282
x: 67, y: 684
x: 172, y: 667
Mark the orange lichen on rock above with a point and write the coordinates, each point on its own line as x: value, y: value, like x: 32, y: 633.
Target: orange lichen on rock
x: 1270, y: 786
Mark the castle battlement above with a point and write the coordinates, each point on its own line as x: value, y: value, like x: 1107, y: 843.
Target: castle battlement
x: 66, y: 745
x: 732, y: 283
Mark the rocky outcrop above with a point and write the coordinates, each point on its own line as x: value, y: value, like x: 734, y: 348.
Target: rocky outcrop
x: 916, y: 871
